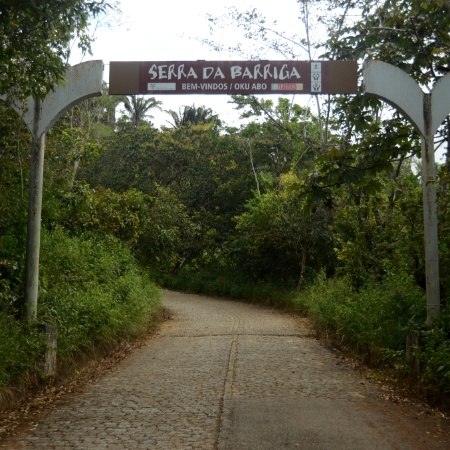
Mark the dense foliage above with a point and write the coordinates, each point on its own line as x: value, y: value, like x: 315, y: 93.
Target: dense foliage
x: 91, y: 291
x: 35, y: 38
x: 318, y: 209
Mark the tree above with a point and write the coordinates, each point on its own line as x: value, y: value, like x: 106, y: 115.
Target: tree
x: 77, y: 137
x: 362, y: 139
x: 380, y: 233
x: 125, y: 161
x: 411, y: 35
x: 193, y: 169
x: 34, y: 41
x: 266, y: 39
x: 192, y: 115
x: 287, y: 138
x: 276, y: 241
x: 14, y: 164
x: 138, y: 107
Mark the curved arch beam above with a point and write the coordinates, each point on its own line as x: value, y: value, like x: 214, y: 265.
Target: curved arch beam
x: 440, y: 102
x: 426, y: 112
x: 82, y: 81
x: 394, y: 86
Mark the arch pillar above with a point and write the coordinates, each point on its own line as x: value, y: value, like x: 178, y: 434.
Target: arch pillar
x: 82, y: 81
x: 426, y: 112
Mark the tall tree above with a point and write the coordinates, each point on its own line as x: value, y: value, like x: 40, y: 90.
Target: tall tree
x: 34, y: 41
x: 77, y: 137
x: 192, y: 115
x: 138, y: 107
x: 411, y: 35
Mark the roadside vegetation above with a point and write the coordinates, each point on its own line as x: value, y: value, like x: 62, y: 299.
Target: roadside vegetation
x: 92, y: 292
x: 313, y: 208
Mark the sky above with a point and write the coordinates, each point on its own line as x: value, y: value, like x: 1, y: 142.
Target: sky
x: 171, y: 30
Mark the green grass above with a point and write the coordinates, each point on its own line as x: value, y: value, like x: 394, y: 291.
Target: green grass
x: 373, y: 321
x: 373, y: 324
x: 21, y: 347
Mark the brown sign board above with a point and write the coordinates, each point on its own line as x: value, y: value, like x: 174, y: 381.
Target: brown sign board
x: 232, y: 77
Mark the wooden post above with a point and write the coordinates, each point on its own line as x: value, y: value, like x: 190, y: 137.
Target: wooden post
x: 51, y: 338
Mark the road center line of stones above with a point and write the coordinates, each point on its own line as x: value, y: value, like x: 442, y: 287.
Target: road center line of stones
x: 227, y: 384
x: 243, y: 335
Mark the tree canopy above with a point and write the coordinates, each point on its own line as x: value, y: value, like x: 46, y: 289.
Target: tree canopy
x: 34, y: 41
x: 138, y: 107
x: 192, y: 115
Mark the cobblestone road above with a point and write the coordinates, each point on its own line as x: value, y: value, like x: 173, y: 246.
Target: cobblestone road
x: 226, y: 375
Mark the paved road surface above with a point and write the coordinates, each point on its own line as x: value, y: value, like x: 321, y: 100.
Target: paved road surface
x: 226, y: 375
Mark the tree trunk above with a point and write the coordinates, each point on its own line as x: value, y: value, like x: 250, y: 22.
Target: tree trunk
x: 302, y: 272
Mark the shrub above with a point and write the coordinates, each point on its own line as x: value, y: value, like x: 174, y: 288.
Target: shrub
x: 374, y: 320
x: 224, y: 282
x: 21, y: 347
x: 91, y: 290
x: 434, y: 354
